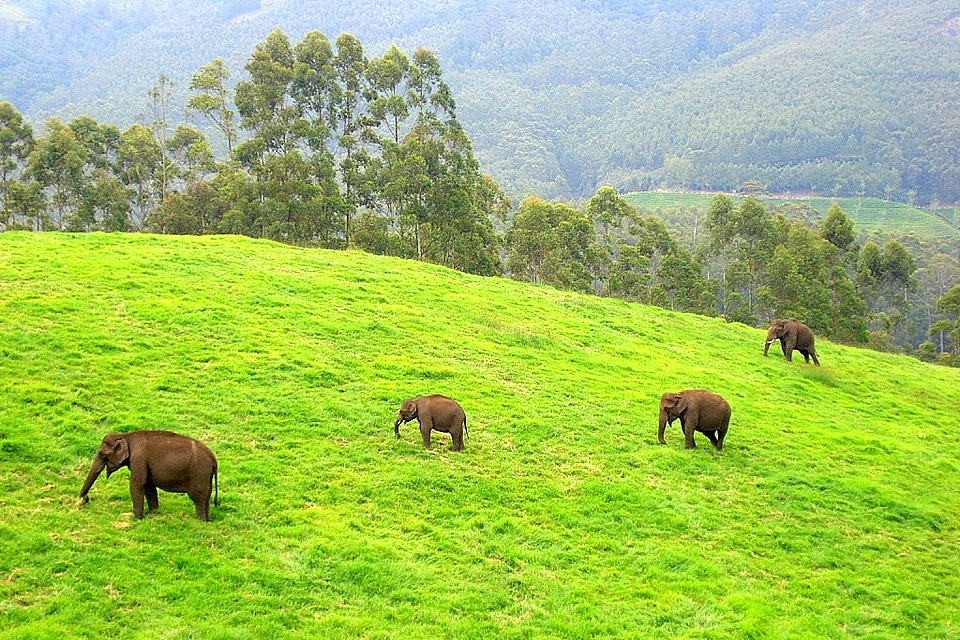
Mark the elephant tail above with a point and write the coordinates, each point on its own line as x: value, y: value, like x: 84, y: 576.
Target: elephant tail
x: 216, y: 488
x: 465, y: 432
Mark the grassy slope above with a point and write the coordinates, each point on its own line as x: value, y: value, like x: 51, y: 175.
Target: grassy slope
x: 832, y: 513
x: 868, y: 214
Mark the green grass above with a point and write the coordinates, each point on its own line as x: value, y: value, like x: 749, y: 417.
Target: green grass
x: 831, y: 513
x: 868, y: 214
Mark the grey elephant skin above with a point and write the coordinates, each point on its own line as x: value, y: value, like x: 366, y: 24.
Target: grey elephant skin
x: 158, y: 460
x: 697, y: 410
x: 792, y: 335
x: 434, y: 413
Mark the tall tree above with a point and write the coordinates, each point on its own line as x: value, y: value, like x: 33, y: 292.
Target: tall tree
x: 836, y: 228
x: 212, y: 99
x: 16, y: 143
x: 160, y: 101
x: 949, y: 306
x: 139, y: 164
x: 56, y: 163
x: 552, y: 243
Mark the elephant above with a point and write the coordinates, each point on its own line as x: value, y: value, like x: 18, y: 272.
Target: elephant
x: 434, y: 412
x: 792, y: 335
x: 698, y: 410
x: 158, y: 459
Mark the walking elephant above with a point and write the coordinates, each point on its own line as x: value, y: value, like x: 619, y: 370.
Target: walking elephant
x: 698, y: 410
x: 434, y: 412
x: 158, y: 460
x: 792, y: 335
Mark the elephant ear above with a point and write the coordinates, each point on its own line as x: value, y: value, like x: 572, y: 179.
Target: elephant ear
x: 409, y: 408
x: 119, y: 453
x: 681, y: 404
x: 671, y: 402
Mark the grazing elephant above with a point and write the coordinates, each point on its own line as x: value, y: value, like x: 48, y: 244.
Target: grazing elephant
x: 158, y: 459
x: 698, y: 410
x: 434, y: 412
x: 792, y: 335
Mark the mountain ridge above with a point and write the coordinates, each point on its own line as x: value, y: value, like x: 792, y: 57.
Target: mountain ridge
x: 571, y: 97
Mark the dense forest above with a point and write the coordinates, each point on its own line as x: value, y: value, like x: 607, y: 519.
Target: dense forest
x: 838, y: 97
x: 326, y: 146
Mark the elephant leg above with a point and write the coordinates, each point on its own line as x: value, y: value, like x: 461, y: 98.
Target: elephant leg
x: 721, y: 434
x: 136, y: 494
x: 805, y: 354
x: 813, y: 354
x: 688, y: 430
x: 457, y: 434
x: 713, y: 438
x: 425, y: 428
x: 200, y: 494
x: 151, y: 493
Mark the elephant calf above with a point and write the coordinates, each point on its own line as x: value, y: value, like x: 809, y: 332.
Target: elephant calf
x: 434, y: 412
x: 698, y: 410
x: 158, y: 459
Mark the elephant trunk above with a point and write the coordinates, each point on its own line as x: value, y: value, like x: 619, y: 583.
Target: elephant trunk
x: 95, y: 468
x: 766, y: 345
x: 662, y: 427
x: 396, y: 426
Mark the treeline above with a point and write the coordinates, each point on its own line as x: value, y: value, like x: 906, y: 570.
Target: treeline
x: 748, y: 265
x: 326, y: 147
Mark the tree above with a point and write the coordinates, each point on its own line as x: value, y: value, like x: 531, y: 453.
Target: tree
x: 159, y: 99
x: 56, y: 163
x: 949, y: 305
x: 212, y: 99
x: 16, y: 143
x: 743, y: 239
x: 139, y: 165
x: 190, y: 154
x: 552, y: 243
x: 609, y: 211
x: 836, y: 228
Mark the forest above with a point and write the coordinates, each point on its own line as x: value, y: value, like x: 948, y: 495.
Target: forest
x: 328, y: 147
x: 836, y: 97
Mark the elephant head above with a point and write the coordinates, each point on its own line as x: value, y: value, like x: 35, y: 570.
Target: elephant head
x: 778, y: 329
x: 408, y: 412
x: 112, y: 454
x: 671, y: 406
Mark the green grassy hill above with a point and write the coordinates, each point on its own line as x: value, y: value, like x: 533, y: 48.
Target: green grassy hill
x: 868, y: 214
x: 831, y: 513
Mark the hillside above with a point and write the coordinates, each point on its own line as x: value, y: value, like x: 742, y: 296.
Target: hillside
x: 831, y: 512
x: 831, y: 96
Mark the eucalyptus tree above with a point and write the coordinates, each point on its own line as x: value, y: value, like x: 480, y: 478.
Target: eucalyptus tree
x: 16, y: 143
x: 191, y: 155
x: 139, y: 165
x: 212, y: 99
x: 104, y: 200
x: 934, y: 279
x: 742, y: 239
x: 552, y: 243
x: 160, y: 102
x: 949, y: 306
x: 315, y: 90
x: 885, y: 280
x: 56, y: 163
x: 272, y: 154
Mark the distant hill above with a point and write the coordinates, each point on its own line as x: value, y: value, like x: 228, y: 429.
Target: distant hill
x: 835, y: 96
x: 869, y: 215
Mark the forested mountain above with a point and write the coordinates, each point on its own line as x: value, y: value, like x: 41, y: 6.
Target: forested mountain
x: 842, y: 97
